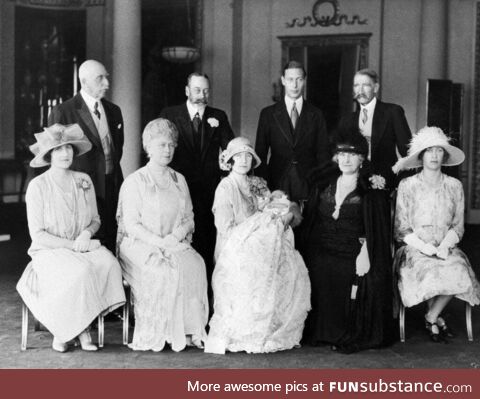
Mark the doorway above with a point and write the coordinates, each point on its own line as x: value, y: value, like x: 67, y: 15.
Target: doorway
x: 331, y: 62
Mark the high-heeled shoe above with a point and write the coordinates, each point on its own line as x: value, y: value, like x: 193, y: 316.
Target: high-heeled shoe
x: 433, y: 331
x: 86, y: 342
x: 444, y: 329
x: 59, y: 346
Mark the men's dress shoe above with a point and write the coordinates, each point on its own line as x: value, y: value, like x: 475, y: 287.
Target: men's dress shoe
x: 59, y: 346
x: 86, y: 342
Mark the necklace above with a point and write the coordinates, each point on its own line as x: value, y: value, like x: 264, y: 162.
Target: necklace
x: 161, y: 177
x: 344, y: 187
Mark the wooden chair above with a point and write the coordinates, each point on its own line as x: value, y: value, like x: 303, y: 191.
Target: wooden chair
x: 468, y: 319
x: 23, y: 346
x: 126, y: 311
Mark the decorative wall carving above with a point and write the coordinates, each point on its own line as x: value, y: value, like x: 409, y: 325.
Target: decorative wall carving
x: 326, y: 13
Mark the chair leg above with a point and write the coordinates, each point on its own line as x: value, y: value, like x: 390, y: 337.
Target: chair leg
x: 126, y: 316
x: 101, y: 328
x: 468, y: 317
x: 24, y: 327
x: 401, y: 322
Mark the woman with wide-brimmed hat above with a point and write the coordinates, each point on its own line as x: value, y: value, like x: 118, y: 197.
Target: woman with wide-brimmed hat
x: 429, y: 220
x: 71, y: 278
x: 260, y: 282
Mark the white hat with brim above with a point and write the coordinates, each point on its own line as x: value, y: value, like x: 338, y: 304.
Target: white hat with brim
x: 427, y: 137
x: 236, y: 146
x: 56, y: 136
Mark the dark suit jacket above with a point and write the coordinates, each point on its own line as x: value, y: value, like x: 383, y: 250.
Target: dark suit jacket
x: 305, y: 148
x: 75, y: 110
x: 389, y: 131
x: 201, y: 170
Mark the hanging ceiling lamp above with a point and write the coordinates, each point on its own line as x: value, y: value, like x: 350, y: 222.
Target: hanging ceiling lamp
x: 183, y: 54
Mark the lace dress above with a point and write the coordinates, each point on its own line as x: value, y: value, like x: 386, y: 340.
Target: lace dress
x: 66, y: 290
x: 260, y: 282
x: 430, y: 214
x: 169, y: 284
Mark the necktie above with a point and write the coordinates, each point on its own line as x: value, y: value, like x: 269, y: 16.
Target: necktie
x: 96, y: 111
x: 364, y: 116
x: 294, y: 115
x: 196, y: 121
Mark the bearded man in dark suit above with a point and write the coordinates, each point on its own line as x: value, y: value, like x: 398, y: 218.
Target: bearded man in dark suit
x: 294, y: 132
x: 102, y: 123
x: 383, y: 125
x: 203, y: 132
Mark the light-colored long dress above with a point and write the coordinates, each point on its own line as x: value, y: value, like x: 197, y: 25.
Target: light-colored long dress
x: 169, y: 284
x: 64, y: 289
x: 430, y: 213
x: 260, y: 282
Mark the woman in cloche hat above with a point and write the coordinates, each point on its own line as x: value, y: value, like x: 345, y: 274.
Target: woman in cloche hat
x: 429, y: 220
x: 260, y: 282
x: 71, y: 278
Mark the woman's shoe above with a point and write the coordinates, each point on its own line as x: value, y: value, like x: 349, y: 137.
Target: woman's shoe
x: 59, y: 346
x: 86, y: 342
x: 433, y: 331
x: 445, y: 331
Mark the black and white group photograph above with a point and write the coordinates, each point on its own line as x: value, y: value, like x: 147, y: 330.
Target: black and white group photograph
x: 240, y: 184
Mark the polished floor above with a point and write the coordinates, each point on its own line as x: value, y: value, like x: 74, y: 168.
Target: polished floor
x: 416, y: 352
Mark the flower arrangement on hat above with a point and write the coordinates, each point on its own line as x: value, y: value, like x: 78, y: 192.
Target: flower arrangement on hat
x: 56, y: 136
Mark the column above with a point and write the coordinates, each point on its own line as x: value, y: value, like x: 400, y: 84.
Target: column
x: 126, y: 77
x: 433, y: 51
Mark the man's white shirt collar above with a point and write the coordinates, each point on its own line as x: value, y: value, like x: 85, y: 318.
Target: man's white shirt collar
x: 298, y: 104
x: 90, y: 101
x: 370, y: 107
x: 192, y: 110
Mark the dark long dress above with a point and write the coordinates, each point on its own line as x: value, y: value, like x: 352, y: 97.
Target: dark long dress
x: 330, y: 248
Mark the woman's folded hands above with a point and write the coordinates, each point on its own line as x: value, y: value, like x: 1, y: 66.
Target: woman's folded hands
x: 84, y: 242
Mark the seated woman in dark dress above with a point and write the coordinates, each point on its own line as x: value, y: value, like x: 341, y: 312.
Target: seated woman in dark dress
x: 345, y: 244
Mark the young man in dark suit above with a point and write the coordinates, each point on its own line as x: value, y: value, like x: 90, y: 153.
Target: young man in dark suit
x: 295, y: 134
x: 383, y: 124
x: 102, y: 123
x: 203, y: 132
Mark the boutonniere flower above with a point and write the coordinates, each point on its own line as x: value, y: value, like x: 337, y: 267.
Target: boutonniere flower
x: 84, y: 184
x: 377, y: 181
x: 213, y: 122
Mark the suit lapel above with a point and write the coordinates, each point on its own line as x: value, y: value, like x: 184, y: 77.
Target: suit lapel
x: 280, y: 115
x: 378, y: 125
x: 86, y: 117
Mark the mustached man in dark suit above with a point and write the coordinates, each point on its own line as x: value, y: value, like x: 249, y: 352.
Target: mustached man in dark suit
x: 203, y: 132
x: 383, y: 125
x: 295, y: 134
x: 102, y: 123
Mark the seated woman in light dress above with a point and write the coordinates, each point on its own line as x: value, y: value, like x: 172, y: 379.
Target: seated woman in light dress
x: 260, y: 282
x: 155, y: 226
x: 71, y: 278
x: 429, y: 220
